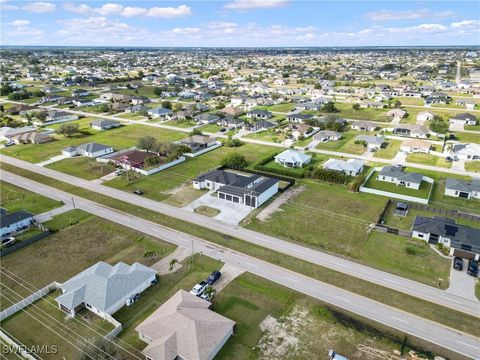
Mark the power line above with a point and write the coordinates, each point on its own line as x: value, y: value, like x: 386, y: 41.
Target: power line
x: 74, y: 318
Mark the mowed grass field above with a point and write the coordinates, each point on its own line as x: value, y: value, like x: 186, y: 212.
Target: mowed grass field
x: 120, y: 138
x: 373, y: 183
x: 83, y: 167
x: 390, y: 150
x: 72, y: 249
x: 14, y: 198
x: 345, y: 144
x: 346, y: 111
x: 428, y: 159
x: 337, y: 223
x: 157, y: 186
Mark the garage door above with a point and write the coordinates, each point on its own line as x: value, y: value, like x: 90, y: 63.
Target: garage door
x: 463, y: 195
x: 221, y: 195
x: 236, y: 199
x: 464, y: 254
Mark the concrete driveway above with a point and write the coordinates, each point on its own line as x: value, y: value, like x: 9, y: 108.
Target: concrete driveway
x: 462, y: 284
x: 230, y: 212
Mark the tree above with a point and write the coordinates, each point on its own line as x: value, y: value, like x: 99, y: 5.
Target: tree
x: 234, y: 161
x: 356, y: 106
x: 172, y: 263
x: 68, y: 130
x: 41, y: 115
x: 148, y: 143
x: 157, y: 91
x: 439, y: 125
x: 195, y: 131
x: 6, y: 89
x: 329, y: 107
x: 167, y: 104
x: 152, y: 160
x: 397, y: 104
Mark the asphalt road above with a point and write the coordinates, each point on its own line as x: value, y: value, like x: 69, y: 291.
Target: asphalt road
x: 461, y: 343
x: 348, y: 267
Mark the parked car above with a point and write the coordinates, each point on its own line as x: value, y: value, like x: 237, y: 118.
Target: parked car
x: 138, y: 192
x: 119, y: 172
x: 458, y: 263
x: 198, y: 289
x: 9, y: 143
x: 8, y: 241
x: 472, y: 268
x: 448, y: 159
x: 213, y: 277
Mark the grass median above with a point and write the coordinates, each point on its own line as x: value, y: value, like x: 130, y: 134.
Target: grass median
x: 413, y: 305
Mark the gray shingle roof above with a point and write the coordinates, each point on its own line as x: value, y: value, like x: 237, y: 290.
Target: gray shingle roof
x: 462, y: 185
x: 398, y: 173
x: 93, y: 147
x: 7, y: 219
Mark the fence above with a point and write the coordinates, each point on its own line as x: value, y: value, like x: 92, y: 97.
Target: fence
x: 116, y: 330
x: 454, y: 213
x: 10, y: 249
x: 200, y: 152
x: 395, y: 195
x: 394, y: 231
x: 15, y: 348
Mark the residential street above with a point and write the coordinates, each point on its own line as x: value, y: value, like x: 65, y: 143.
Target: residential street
x: 317, y: 257
x: 453, y: 340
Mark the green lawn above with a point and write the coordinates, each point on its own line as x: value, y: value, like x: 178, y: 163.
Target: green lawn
x: 119, y: 138
x: 390, y: 150
x: 74, y: 248
x: 428, y: 159
x: 181, y: 124
x: 147, y: 91
x: 345, y: 144
x: 477, y: 289
x: 283, y: 108
x: 465, y: 137
x: 131, y: 116
x: 272, y: 135
x: 14, y: 198
x: 83, y: 167
x: 210, y: 128
x: 346, y: 111
x: 384, y: 295
x: 423, y: 192
x: 472, y: 166
x: 158, y: 186
x: 207, y: 211
x: 43, y: 323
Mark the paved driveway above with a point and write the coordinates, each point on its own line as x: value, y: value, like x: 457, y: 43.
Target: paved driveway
x: 462, y: 284
x: 230, y: 212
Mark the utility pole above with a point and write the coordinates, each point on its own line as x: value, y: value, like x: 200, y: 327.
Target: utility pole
x: 193, y: 254
x: 75, y: 209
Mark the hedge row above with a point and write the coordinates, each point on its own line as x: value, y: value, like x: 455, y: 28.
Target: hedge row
x: 327, y: 175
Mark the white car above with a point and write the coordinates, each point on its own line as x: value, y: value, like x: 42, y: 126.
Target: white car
x: 198, y: 289
x: 8, y: 241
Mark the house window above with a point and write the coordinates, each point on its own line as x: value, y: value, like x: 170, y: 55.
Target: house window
x: 420, y: 236
x: 456, y: 192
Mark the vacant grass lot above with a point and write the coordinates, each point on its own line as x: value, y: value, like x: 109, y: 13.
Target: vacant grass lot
x: 390, y: 150
x: 384, y: 295
x: 423, y: 192
x: 158, y: 186
x: 284, y: 108
x: 73, y: 249
x: 14, y: 198
x: 428, y: 159
x: 472, y: 166
x: 43, y: 323
x: 272, y: 135
x: 119, y: 138
x: 347, y: 112
x: 339, y: 226
x: 465, y: 137
x: 345, y: 144
x: 83, y: 167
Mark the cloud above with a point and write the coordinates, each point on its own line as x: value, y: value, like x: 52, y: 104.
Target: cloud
x: 5, y: 6
x: 255, y: 4
x: 111, y: 9
x: 389, y: 15
x: 465, y: 24
x: 39, y: 7
x: 169, y: 12
x: 20, y: 23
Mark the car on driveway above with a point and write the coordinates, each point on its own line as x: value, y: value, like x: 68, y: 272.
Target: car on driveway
x: 472, y: 268
x: 458, y: 263
x: 198, y: 289
x: 138, y: 192
x: 213, y: 277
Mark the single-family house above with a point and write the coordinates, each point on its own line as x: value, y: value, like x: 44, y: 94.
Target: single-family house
x: 159, y: 112
x: 470, y: 151
x: 462, y: 240
x: 327, y: 135
x: 299, y: 118
x: 92, y: 150
x: 262, y: 125
x: 6, y: 133
x: 32, y: 137
x: 397, y: 113
x: 14, y: 222
x: 411, y: 130
x: 82, y: 102
x: 299, y: 130
x: 463, y: 119
x: 462, y: 188
x: 80, y: 92
x: 232, y: 110
x: 292, y: 158
x: 52, y: 98
x: 373, y: 142
x: 249, y: 190
x: 60, y: 116
x: 415, y: 146
x: 104, y: 289
x: 259, y: 114
x: 469, y: 104
x: 185, y: 328
x: 363, y: 125
x: 425, y: 116
x: 104, y: 124
x: 396, y: 175
x: 351, y: 167
x: 198, y: 142
x: 207, y: 118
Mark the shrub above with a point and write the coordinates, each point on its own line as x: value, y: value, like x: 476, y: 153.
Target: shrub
x: 356, y: 183
x: 327, y: 175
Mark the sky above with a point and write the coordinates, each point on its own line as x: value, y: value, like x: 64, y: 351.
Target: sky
x: 250, y: 23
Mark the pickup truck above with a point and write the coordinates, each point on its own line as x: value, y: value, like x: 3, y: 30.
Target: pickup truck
x: 198, y: 289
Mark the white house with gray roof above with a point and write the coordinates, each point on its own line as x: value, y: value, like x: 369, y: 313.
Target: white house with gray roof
x: 396, y: 175
x: 462, y: 188
x: 92, y: 150
x: 373, y: 142
x: 292, y: 158
x: 103, y: 288
x: 351, y: 167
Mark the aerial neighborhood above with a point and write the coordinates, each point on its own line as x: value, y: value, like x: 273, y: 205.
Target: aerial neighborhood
x: 240, y: 203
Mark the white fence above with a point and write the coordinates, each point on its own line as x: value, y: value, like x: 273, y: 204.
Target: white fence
x: 216, y: 146
x: 162, y: 167
x: 15, y: 348
x: 116, y: 330
x: 106, y: 158
x: 396, y: 195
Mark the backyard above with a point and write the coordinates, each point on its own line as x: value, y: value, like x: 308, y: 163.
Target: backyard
x: 83, y: 167
x: 373, y: 183
x: 345, y: 144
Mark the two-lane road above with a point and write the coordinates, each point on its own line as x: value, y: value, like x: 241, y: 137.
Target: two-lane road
x: 348, y: 267
x: 464, y: 345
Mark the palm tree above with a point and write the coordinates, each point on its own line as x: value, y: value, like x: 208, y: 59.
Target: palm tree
x: 450, y: 147
x: 172, y: 263
x: 210, y: 292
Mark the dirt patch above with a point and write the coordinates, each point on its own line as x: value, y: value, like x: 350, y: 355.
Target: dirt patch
x: 278, y: 202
